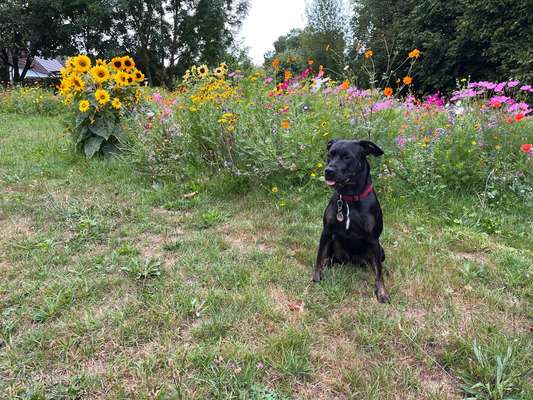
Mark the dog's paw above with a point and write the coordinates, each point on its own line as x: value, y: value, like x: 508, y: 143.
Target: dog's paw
x: 383, y: 297
x: 315, y: 279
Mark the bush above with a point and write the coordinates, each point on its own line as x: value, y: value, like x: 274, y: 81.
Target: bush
x: 99, y: 96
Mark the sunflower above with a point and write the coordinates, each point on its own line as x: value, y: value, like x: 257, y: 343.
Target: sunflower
x: 407, y: 80
x: 102, y: 96
x: 116, y: 103
x: 68, y: 99
x: 388, y: 91
x: 117, y: 63
x: 219, y: 73
x: 77, y: 83
x: 100, y: 62
x: 100, y: 73
x: 84, y: 105
x: 130, y: 79
x: 82, y: 63
x: 139, y: 76
x: 187, y: 75
x: 121, y: 78
x: 65, y: 87
x: 203, y: 71
x: 128, y: 63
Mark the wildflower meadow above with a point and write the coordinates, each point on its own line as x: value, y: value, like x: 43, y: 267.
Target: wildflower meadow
x: 157, y: 243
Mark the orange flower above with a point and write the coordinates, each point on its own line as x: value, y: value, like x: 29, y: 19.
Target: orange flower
x: 407, y: 80
x: 496, y: 104
x: 388, y: 91
x: 518, y: 117
x: 526, y: 147
x: 287, y: 75
x: 369, y: 54
x: 285, y: 124
x: 275, y: 63
x: 415, y: 53
x: 345, y: 85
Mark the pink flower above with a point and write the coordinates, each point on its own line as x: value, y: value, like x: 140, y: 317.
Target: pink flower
x: 157, y: 98
x: 382, y: 105
x: 268, y: 80
x: 512, y: 84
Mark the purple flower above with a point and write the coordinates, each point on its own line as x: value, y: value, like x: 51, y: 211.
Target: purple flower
x: 401, y: 141
x: 519, y: 108
x: 382, y: 105
x: 499, y: 87
x: 466, y: 93
x: 512, y: 84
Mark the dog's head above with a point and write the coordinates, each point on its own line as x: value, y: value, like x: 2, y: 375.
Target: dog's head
x: 347, y: 163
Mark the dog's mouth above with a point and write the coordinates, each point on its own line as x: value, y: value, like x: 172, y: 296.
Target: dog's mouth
x: 330, y: 183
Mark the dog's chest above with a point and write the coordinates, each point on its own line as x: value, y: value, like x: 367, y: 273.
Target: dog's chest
x: 351, y: 222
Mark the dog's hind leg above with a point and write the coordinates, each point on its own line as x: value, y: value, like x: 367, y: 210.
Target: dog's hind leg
x: 376, y: 256
x: 324, y: 255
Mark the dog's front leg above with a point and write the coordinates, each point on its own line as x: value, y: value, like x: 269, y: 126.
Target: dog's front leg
x: 376, y: 257
x: 323, y: 257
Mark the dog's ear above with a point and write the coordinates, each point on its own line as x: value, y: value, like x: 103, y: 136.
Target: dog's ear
x: 331, y: 143
x: 370, y: 148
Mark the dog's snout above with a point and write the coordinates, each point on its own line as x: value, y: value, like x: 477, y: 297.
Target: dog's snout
x: 329, y: 172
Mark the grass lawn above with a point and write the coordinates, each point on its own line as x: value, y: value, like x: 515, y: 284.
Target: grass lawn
x: 114, y: 287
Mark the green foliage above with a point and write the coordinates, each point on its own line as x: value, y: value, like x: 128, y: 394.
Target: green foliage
x: 486, y: 40
x: 31, y: 100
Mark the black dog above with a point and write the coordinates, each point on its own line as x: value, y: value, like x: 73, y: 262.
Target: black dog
x: 353, y: 220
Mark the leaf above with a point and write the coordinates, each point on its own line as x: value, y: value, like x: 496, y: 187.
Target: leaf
x: 92, y: 146
x: 101, y: 128
x: 80, y: 119
x: 110, y: 149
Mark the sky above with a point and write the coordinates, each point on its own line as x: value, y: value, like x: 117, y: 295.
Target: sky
x: 266, y: 21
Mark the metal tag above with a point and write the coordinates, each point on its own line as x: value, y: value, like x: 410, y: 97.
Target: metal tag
x: 340, y: 216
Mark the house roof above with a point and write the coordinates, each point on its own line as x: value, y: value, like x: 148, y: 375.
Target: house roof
x: 46, y: 66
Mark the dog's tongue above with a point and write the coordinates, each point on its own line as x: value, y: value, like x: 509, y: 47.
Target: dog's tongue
x: 330, y: 183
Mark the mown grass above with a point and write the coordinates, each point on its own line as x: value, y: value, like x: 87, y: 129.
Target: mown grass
x: 115, y: 287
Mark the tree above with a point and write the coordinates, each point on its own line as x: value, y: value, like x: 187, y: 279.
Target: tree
x: 28, y: 29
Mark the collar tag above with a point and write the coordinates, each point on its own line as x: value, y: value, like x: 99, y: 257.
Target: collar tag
x: 340, y: 216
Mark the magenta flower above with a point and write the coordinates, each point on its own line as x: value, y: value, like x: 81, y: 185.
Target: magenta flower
x: 401, y: 141
x: 512, y: 84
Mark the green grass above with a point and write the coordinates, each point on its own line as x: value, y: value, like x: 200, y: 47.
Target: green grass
x: 114, y: 287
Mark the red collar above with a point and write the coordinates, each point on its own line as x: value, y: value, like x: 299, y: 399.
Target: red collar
x: 357, y: 197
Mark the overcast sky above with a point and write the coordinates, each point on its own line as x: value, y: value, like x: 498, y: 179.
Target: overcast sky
x: 266, y: 21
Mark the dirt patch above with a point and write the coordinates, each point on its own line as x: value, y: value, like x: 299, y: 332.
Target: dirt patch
x: 244, y: 241
x: 290, y: 307
x: 13, y: 228
x: 476, y: 257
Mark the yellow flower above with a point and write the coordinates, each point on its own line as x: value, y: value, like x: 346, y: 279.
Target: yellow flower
x: 121, y: 78
x: 407, y: 80
x: 116, y: 62
x: 319, y: 165
x: 276, y: 63
x: 313, y: 175
x: 415, y: 53
x: 100, y: 73
x: 193, y: 109
x: 224, y: 66
x: 77, y: 83
x: 218, y: 72
x: 116, y: 103
x: 82, y: 63
x: 68, y: 99
x: 102, y: 96
x: 275, y: 189
x: 84, y: 105
x: 203, y: 71
x: 497, y: 147
x: 138, y: 75
x: 100, y: 62
x: 127, y: 63
x: 369, y: 54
